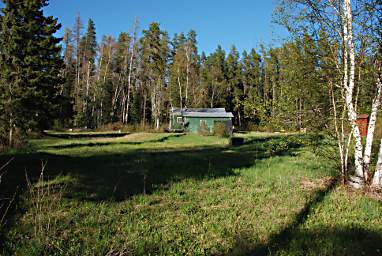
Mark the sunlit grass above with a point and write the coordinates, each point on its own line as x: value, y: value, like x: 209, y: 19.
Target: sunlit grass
x: 190, y: 195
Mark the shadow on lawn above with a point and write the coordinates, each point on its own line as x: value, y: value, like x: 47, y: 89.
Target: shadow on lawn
x: 321, y: 241
x: 115, y: 177
x: 118, y: 176
x: 295, y: 240
x: 85, y: 135
x: 108, y: 143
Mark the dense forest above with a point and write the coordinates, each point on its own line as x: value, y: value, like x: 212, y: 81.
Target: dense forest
x: 135, y: 80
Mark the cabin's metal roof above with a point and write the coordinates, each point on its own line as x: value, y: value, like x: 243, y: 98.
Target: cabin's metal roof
x: 202, y: 112
x: 208, y: 114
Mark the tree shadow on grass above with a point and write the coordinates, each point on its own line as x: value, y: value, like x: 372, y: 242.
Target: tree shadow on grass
x: 64, y: 135
x: 109, y: 143
x: 320, y: 241
x: 118, y: 176
x: 295, y: 240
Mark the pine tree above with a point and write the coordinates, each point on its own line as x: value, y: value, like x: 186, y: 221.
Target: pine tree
x: 253, y: 86
x: 214, y: 79
x: 86, y: 53
x: 108, y: 87
x: 30, y: 64
x: 69, y: 74
x: 234, y: 92
x: 155, y: 52
x: 192, y: 70
x: 178, y: 72
x: 122, y: 70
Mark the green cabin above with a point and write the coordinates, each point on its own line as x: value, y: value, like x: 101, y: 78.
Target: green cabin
x: 193, y: 120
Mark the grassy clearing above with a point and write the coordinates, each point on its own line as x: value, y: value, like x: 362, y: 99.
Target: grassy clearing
x: 175, y: 194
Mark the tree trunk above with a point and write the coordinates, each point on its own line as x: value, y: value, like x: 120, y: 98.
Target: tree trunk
x: 157, y: 123
x: 144, y: 110
x: 130, y: 72
x: 187, y: 72
x: 349, y: 53
x: 377, y: 179
x: 10, y: 131
x: 180, y: 90
x: 372, y: 124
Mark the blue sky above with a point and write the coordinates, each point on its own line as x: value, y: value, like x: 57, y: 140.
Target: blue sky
x: 245, y: 23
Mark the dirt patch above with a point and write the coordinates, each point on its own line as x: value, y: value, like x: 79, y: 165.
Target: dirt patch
x: 371, y: 193
x: 129, y: 137
x: 316, y: 184
x: 137, y: 136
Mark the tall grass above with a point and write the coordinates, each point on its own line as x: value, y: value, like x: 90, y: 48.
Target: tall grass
x: 44, y: 197
x: 159, y: 194
x: 5, y: 202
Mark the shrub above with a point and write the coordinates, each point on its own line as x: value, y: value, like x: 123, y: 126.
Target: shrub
x: 5, y: 202
x: 19, y: 140
x: 110, y: 127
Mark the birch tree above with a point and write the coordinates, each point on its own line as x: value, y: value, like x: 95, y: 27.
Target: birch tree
x: 336, y: 18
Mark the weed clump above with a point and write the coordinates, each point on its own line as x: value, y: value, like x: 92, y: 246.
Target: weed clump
x: 221, y: 129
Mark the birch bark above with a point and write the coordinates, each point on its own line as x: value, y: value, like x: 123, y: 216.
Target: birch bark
x: 371, y: 127
x: 377, y: 179
x: 348, y: 83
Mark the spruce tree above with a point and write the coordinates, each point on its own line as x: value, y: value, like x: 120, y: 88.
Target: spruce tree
x: 87, y: 51
x: 69, y: 73
x: 30, y: 64
x: 234, y: 95
x: 155, y: 52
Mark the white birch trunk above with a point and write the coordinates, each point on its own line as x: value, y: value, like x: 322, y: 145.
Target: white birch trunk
x: 372, y: 123
x: 377, y: 179
x: 10, y: 131
x: 349, y: 53
x: 100, y: 64
x: 187, y: 71
x: 180, y: 90
x: 130, y: 72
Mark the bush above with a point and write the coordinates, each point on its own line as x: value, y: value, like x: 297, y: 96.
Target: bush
x: 19, y: 140
x: 221, y: 129
x: 110, y: 127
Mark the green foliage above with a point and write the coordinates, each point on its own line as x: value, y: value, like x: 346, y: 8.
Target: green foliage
x: 138, y: 80
x: 87, y: 50
x: 30, y: 64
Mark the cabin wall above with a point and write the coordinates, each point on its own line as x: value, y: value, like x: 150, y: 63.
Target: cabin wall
x: 193, y: 123
x: 175, y: 125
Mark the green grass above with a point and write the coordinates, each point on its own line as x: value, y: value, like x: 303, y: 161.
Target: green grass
x: 176, y: 194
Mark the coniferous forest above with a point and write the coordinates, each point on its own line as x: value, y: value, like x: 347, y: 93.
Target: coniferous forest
x: 137, y: 80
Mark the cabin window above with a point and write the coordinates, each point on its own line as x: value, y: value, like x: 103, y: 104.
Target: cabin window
x: 179, y: 119
x: 203, y: 123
